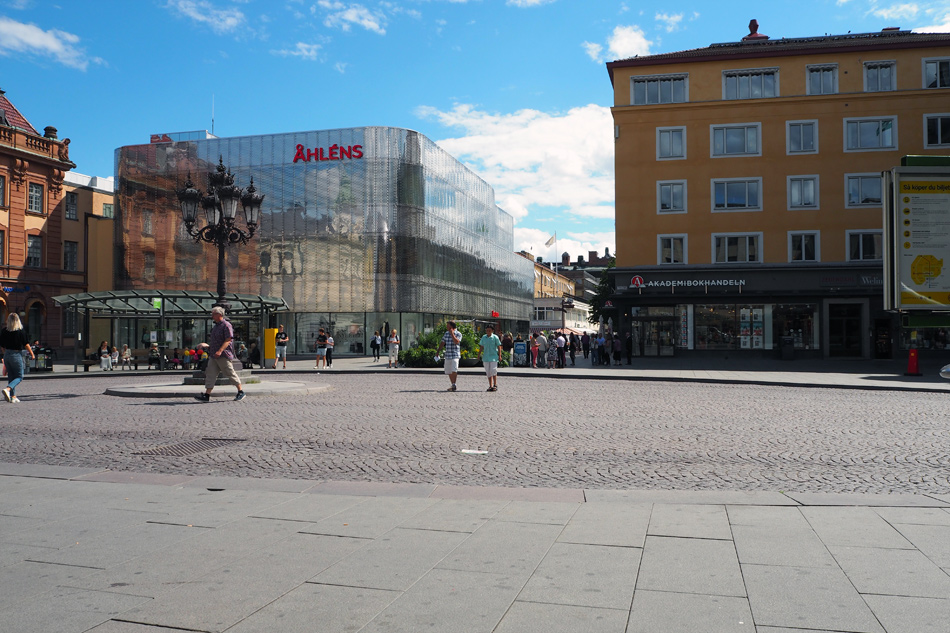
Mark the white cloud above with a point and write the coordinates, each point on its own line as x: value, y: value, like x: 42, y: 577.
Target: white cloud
x: 17, y: 37
x: 906, y: 11
x: 340, y: 67
x: 538, y: 163
x: 527, y: 3
x: 301, y: 50
x: 593, y: 50
x: 669, y: 21
x: 623, y: 42
x: 344, y: 16
x: 203, y: 12
x: 628, y: 41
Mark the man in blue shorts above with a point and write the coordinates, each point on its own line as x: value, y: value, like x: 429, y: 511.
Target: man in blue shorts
x: 321, y: 349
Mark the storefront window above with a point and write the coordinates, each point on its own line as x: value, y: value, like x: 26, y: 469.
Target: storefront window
x: 751, y: 327
x: 304, y: 336
x: 925, y: 338
x: 798, y: 320
x: 715, y: 327
x: 348, y: 333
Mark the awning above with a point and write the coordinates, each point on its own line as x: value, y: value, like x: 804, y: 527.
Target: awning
x: 569, y: 330
x: 174, y: 303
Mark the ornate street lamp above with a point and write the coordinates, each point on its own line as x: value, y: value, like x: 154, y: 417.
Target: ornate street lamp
x: 220, y: 206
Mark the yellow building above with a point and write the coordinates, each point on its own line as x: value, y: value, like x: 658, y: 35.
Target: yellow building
x: 748, y: 189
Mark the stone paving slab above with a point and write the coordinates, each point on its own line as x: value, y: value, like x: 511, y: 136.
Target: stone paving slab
x: 858, y: 527
x: 866, y: 500
x: 673, y: 612
x: 608, y: 524
x: 700, y: 497
x: 531, y: 617
x: 585, y: 576
x: 76, y: 611
x: 903, y: 614
x: 780, y: 546
x: 690, y: 521
x: 508, y: 549
x: 685, y: 565
x: 897, y: 572
x: 807, y: 598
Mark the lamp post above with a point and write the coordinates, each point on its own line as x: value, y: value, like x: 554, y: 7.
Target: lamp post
x: 220, y: 206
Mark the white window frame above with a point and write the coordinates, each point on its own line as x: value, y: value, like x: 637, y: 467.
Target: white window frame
x: 879, y: 64
x: 672, y: 236
x: 648, y: 78
x: 810, y: 68
x: 788, y: 137
x: 674, y: 128
x: 847, y: 244
x: 923, y: 71
x: 890, y: 148
x: 725, y: 127
x: 927, y: 117
x: 750, y: 71
x: 847, y: 191
x: 39, y: 199
x: 817, y: 236
x: 759, y: 246
x: 659, y: 186
x: 747, y: 209
x: 803, y: 207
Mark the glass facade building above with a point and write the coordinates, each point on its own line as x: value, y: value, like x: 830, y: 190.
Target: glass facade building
x: 361, y: 229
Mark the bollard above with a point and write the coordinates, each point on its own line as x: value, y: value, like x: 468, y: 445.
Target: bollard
x: 912, y: 367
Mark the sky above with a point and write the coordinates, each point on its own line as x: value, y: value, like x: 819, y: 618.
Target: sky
x: 515, y: 89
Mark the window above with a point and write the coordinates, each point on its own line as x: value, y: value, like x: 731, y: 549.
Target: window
x: 671, y: 196
x: 936, y: 73
x: 670, y: 143
x: 671, y: 249
x: 750, y: 84
x: 148, y: 266
x: 72, y: 205
x: 35, y: 198
x: 863, y: 190
x: 735, y: 140
x: 34, y: 251
x: 3, y: 243
x: 69, y: 322
x: 870, y: 134
x: 803, y: 246
x: 71, y: 256
x: 880, y: 76
x: 864, y: 245
x: 822, y: 80
x: 3, y: 191
x: 936, y: 130
x: 801, y: 137
x: 146, y: 222
x: 108, y: 212
x: 803, y: 192
x: 741, y: 248
x: 659, y: 89
x: 737, y: 194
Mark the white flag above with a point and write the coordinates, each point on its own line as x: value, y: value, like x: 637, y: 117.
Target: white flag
x: 552, y: 240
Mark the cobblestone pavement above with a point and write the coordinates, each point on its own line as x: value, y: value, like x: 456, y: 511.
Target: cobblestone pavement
x: 404, y: 427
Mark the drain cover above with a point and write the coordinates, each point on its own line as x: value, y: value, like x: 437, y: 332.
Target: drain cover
x: 189, y: 448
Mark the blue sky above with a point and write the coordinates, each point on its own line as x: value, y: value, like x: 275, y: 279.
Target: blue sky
x: 516, y: 89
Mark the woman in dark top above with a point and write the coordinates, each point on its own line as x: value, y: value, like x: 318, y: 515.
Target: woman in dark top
x: 12, y: 342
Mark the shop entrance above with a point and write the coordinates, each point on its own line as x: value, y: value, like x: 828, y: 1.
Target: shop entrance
x: 844, y: 329
x: 883, y: 347
x: 653, y: 337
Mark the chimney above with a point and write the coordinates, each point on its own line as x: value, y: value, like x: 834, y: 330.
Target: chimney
x: 50, y: 132
x: 592, y: 256
x: 580, y: 260
x: 754, y: 34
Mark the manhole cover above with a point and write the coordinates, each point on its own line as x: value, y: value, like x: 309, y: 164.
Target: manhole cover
x: 189, y: 448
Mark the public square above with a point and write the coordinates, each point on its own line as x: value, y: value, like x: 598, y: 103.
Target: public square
x: 536, y: 431
x: 372, y: 500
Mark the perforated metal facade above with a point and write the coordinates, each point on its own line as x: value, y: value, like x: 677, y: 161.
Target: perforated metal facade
x: 368, y: 226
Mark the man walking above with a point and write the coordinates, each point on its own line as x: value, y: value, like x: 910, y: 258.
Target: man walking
x: 220, y: 356
x: 282, y: 340
x: 488, y: 348
x: 451, y: 342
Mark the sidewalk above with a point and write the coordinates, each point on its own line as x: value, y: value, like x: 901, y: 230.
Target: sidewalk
x: 110, y: 552
x: 733, y: 369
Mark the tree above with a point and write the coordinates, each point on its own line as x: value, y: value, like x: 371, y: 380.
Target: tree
x: 604, y: 290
